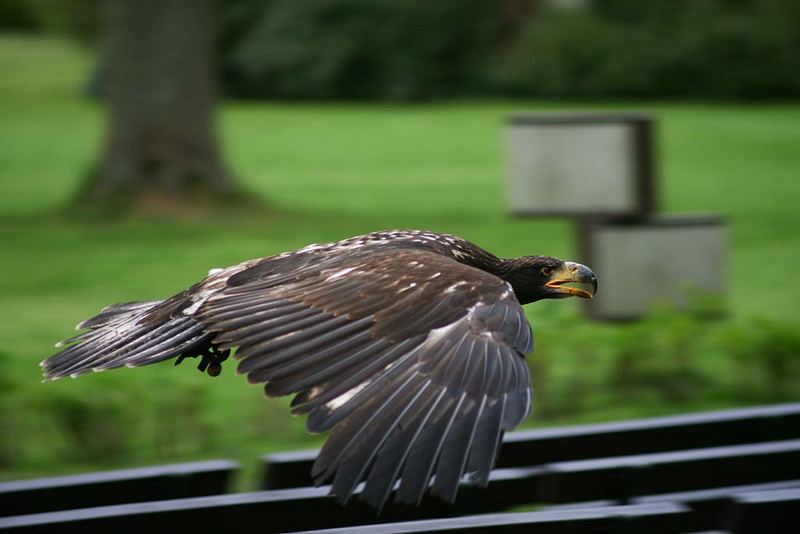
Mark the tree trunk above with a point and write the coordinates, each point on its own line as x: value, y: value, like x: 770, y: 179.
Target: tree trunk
x: 161, y: 87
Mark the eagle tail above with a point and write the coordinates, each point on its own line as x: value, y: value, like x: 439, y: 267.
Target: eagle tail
x: 130, y: 334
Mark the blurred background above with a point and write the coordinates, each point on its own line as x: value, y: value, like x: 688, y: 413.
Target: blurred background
x: 143, y: 143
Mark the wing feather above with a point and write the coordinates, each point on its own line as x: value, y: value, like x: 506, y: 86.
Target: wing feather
x: 486, y: 441
x: 413, y: 360
x: 351, y: 470
x: 335, y: 330
x: 422, y: 460
x: 385, y: 471
x: 366, y: 419
x: 456, y: 446
x: 254, y: 315
x: 416, y: 370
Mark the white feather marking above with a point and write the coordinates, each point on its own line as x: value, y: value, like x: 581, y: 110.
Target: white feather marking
x: 455, y: 286
x: 311, y: 248
x: 196, y: 304
x: 437, y: 334
x: 409, y: 286
x: 346, y: 396
x: 340, y: 273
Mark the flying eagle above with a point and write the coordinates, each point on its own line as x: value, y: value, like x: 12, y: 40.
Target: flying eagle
x: 409, y: 345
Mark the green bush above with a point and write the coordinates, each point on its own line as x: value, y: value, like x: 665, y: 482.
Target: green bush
x: 701, y: 48
x: 412, y: 48
x: 767, y: 359
x: 80, y: 19
x: 18, y: 15
x: 408, y: 49
x: 670, y: 361
x: 8, y: 419
x: 93, y: 426
x: 357, y: 48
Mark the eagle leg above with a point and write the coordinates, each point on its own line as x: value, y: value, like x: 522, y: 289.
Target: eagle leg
x: 211, y: 360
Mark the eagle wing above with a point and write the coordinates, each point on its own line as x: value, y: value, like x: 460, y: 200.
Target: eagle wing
x: 413, y: 359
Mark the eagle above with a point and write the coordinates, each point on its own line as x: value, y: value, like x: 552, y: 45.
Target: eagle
x: 408, y: 345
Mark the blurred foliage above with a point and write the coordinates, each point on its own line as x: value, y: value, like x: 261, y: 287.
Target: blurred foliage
x: 17, y: 15
x: 357, y: 48
x: 669, y: 359
x: 672, y: 360
x: 97, y: 424
x: 79, y: 19
x: 8, y: 395
x: 415, y: 48
x: 768, y: 357
x: 408, y: 49
x: 708, y: 48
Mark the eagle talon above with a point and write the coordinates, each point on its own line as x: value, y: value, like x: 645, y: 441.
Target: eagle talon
x: 214, y: 369
x: 211, y: 361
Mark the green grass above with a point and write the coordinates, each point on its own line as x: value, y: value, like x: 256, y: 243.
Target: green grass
x: 328, y: 171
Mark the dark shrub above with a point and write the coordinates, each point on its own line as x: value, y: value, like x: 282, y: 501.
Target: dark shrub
x: 406, y: 49
x: 361, y: 48
x: 701, y: 48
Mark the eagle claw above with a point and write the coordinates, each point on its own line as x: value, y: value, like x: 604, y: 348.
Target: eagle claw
x: 210, y: 360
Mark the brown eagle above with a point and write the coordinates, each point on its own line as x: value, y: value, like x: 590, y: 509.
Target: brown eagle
x: 409, y: 345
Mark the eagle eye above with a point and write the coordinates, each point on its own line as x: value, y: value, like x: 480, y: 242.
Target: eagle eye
x: 547, y: 271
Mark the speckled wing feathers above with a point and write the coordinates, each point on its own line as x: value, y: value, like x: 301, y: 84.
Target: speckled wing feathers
x: 414, y: 360
x: 118, y: 337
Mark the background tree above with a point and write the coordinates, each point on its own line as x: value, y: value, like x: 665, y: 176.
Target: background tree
x: 160, y: 144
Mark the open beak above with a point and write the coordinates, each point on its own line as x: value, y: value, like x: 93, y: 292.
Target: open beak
x: 574, y: 273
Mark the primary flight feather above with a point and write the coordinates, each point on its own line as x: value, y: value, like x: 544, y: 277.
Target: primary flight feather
x: 407, y: 345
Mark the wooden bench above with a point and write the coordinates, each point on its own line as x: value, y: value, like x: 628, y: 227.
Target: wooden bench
x: 115, y: 487
x: 764, y: 511
x: 537, y: 447
x: 247, y: 512
x: 651, y: 518
x: 711, y: 507
x: 616, y: 479
x: 734, y: 470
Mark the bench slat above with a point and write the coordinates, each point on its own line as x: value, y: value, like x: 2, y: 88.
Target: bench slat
x: 115, y: 487
x: 765, y: 511
x: 288, y: 510
x: 660, y: 434
x: 247, y: 512
x: 655, y: 518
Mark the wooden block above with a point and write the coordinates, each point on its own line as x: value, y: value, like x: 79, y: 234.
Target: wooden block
x: 661, y: 260
x: 580, y: 164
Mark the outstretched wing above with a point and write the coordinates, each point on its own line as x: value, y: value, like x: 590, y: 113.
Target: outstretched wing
x: 413, y: 359
x: 124, y: 335
x: 134, y: 334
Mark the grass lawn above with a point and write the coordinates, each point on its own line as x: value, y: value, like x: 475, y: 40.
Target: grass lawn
x: 327, y: 171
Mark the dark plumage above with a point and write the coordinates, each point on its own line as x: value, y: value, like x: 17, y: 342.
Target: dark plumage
x: 408, y: 345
